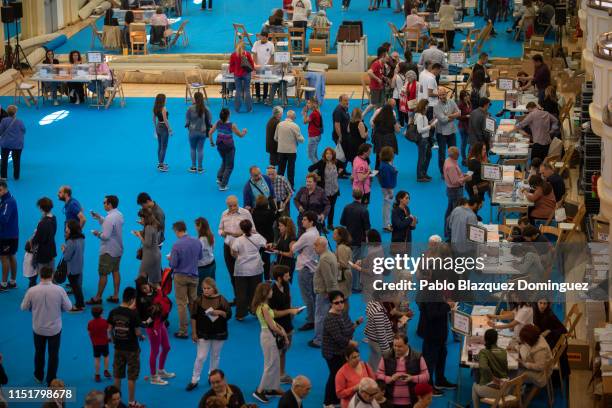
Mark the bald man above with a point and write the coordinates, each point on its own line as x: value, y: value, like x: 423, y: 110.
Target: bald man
x: 294, y: 397
x: 229, y: 229
x: 324, y: 281
x: 288, y: 135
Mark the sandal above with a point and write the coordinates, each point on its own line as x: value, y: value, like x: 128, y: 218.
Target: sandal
x: 112, y: 299
x: 94, y: 301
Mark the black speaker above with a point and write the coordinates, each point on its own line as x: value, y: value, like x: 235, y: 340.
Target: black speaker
x: 18, y: 7
x: 560, y: 15
x: 7, y: 14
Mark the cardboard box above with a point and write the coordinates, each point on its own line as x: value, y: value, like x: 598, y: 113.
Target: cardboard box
x: 601, y: 229
x: 317, y: 47
x: 578, y: 354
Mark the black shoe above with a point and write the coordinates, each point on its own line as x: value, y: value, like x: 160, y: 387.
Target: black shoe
x: 436, y: 392
x: 191, y: 386
x: 180, y: 335
x: 3, y: 288
x: 12, y: 285
x: 312, y: 344
x: 261, y: 397
x: 445, y: 385
x: 306, y: 327
x: 274, y: 393
x: 423, y: 180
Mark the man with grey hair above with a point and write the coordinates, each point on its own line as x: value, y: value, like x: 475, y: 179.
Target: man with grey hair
x: 325, y: 280
x: 446, y: 111
x: 94, y: 399
x: 257, y: 185
x: 366, y: 394
x: 288, y: 135
x: 282, y: 190
x: 271, y: 144
x: 294, y: 397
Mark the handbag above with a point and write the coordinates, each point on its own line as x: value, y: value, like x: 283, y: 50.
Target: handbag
x: 340, y: 153
x: 411, y: 133
x: 28, y: 268
x: 245, y: 64
x: 59, y: 276
x: 280, y: 341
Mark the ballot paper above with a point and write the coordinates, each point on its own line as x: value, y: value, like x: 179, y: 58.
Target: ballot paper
x: 211, y: 316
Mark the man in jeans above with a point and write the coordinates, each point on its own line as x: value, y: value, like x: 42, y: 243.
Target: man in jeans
x: 455, y: 180
x: 46, y: 301
x: 306, y: 264
x: 111, y: 248
x: 184, y: 257
x: 315, y: 127
x: 356, y: 218
x: 445, y: 111
x: 288, y: 135
x: 325, y: 280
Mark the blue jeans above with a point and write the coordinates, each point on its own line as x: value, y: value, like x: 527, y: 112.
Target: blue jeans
x: 322, y: 306
x: 454, y: 194
x: 313, y: 144
x: 357, y: 252
x: 424, y: 156
x: 243, y: 92
x: 307, y: 291
x: 196, y: 143
x: 53, y: 87
x: 463, y: 133
x: 162, y: 141
x: 444, y: 142
x: 227, y: 165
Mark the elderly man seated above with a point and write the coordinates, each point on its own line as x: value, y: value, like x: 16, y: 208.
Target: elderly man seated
x: 368, y: 395
x: 415, y: 22
x: 320, y: 25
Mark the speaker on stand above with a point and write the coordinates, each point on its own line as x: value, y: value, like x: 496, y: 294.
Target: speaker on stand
x: 7, y: 16
x: 560, y: 23
x: 20, y: 60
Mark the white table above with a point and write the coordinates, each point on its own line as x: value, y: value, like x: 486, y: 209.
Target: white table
x: 284, y: 82
x: 73, y: 79
x: 515, y: 149
x: 504, y: 199
x: 459, y: 25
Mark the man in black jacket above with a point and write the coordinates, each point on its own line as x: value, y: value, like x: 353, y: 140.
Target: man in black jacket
x: 356, y: 218
x: 294, y: 397
x: 220, y: 388
x: 271, y: 144
x: 433, y: 329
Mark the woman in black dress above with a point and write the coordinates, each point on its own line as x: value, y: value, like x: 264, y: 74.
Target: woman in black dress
x: 329, y: 169
x: 383, y: 132
x: 476, y: 186
x: 286, y: 237
x: 358, y: 134
x: 402, y: 223
x: 264, y: 218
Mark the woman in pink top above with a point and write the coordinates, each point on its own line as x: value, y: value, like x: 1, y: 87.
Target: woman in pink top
x: 350, y: 374
x: 361, y: 172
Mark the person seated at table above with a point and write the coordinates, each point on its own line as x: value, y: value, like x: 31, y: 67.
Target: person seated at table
x: 275, y: 22
x: 519, y: 315
x: 159, y: 24
x: 98, y: 86
x: 529, y: 263
x: 109, y: 20
x: 551, y: 327
x: 550, y: 103
x: 447, y: 22
x: 516, y: 234
x: 492, y: 368
x: 52, y: 86
x: 555, y: 179
x: 541, y: 194
x: 125, y: 31
x: 76, y: 89
x: 546, y: 13
x: 522, y: 84
x: 415, y: 21
x: 534, y: 356
x: 320, y: 23
x: 534, y: 167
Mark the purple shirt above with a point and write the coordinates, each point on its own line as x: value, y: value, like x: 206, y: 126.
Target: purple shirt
x: 186, y: 252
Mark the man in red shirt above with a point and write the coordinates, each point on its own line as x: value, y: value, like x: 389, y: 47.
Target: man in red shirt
x: 376, y: 73
x: 315, y: 127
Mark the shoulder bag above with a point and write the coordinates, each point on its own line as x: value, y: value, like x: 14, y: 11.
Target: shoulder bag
x: 59, y: 276
x: 411, y: 132
x: 245, y: 64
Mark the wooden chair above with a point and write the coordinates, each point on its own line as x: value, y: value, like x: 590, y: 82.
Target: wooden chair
x: 550, y: 394
x: 23, y: 90
x: 413, y: 36
x: 193, y: 84
x: 551, y: 231
x: 440, y: 36
x: 504, y: 211
x: 554, y: 151
x: 241, y: 34
x: 397, y: 36
x: 138, y: 38
x: 565, y: 115
x: 297, y: 43
x: 115, y: 89
x: 574, y: 224
x: 505, y: 230
x: 557, y: 352
x: 95, y: 34
x: 173, y: 36
x: 571, y: 321
x: 365, y: 90
x: 470, y: 41
x: 301, y: 87
x: 485, y: 33
x: 510, y: 394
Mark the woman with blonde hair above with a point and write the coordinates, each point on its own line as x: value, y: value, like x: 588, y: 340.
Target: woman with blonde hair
x: 271, y: 335
x: 424, y: 141
x: 241, y: 65
x: 209, y: 315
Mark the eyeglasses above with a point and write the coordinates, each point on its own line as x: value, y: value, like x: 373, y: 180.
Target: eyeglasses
x: 338, y: 302
x: 371, y: 394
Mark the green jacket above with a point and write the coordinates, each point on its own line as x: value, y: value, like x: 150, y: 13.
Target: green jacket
x: 493, y: 363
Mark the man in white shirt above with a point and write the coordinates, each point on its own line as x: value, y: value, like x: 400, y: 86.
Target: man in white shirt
x: 301, y: 12
x: 262, y: 51
x: 428, y: 88
x: 288, y: 135
x: 229, y: 229
x: 432, y: 55
x: 306, y: 264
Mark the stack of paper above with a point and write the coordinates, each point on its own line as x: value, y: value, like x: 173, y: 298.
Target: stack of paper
x: 603, y: 335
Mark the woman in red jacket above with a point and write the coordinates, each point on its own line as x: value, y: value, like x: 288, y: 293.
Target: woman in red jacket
x: 241, y: 65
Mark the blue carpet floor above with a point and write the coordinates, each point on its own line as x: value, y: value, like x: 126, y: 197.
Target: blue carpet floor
x: 114, y: 152
x: 212, y: 32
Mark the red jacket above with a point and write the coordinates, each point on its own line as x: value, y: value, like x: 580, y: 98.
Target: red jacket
x: 235, y: 64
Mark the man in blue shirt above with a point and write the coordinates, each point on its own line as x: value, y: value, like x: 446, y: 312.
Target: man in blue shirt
x: 184, y: 257
x: 257, y: 185
x: 9, y: 237
x: 72, y: 208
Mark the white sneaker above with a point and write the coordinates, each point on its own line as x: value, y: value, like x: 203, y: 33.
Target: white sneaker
x: 55, y: 103
x: 223, y: 188
x: 156, y: 380
x: 165, y: 374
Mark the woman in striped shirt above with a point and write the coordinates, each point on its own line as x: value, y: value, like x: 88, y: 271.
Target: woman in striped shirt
x: 378, y: 330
